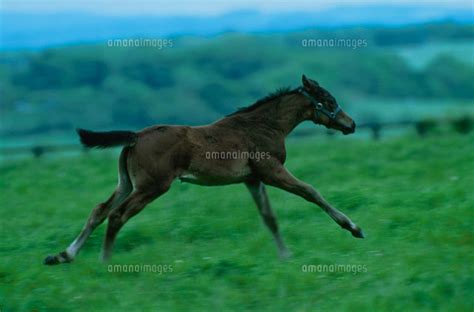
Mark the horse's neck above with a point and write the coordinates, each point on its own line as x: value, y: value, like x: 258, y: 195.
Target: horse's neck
x: 285, y: 116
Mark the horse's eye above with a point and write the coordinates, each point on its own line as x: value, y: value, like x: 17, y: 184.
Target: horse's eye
x: 319, y: 105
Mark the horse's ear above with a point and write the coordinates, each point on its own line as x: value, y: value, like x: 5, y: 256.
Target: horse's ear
x: 305, y: 81
x: 308, y: 83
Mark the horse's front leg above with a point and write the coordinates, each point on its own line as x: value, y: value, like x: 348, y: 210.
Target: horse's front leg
x: 259, y: 194
x: 275, y: 174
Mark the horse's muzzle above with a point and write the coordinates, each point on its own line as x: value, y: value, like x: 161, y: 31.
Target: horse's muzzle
x: 349, y: 130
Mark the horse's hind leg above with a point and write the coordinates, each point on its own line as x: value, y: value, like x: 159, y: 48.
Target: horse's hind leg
x: 98, y: 215
x: 135, y: 203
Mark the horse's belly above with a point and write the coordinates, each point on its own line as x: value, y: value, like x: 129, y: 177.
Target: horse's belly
x: 216, y: 178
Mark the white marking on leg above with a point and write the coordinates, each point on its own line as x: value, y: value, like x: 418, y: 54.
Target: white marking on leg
x: 74, y: 247
x: 77, y: 244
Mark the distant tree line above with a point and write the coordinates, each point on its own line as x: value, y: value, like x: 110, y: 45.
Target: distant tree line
x: 197, y: 81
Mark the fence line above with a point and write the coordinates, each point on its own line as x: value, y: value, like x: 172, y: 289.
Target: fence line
x: 422, y: 127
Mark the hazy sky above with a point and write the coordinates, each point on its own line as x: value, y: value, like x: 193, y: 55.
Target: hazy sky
x: 199, y: 7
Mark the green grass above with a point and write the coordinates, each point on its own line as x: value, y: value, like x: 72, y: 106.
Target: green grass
x: 413, y: 198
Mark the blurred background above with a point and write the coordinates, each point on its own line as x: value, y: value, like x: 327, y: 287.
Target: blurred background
x: 61, y: 66
x: 404, y: 70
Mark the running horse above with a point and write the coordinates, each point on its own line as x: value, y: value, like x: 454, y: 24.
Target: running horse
x: 152, y: 158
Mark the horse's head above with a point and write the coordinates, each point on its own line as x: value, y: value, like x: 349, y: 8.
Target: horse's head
x: 324, y: 108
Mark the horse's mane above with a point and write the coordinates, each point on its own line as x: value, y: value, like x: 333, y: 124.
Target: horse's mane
x: 279, y: 92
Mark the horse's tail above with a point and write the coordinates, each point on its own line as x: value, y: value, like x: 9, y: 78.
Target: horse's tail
x: 106, y: 139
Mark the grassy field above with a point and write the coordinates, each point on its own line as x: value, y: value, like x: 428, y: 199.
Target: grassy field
x: 413, y: 198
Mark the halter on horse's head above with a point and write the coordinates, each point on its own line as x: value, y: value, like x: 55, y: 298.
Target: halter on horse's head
x: 326, y: 110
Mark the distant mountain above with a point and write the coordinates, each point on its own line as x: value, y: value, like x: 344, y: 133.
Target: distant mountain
x: 35, y: 31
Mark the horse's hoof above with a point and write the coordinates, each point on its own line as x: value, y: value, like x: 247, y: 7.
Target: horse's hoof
x: 355, y: 230
x: 62, y: 257
x: 51, y: 260
x: 285, y: 254
x: 358, y: 233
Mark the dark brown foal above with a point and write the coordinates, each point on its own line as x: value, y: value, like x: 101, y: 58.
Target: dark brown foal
x: 247, y: 146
